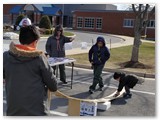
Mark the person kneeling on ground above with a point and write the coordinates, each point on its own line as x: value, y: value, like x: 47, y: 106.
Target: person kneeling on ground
x: 27, y: 72
x: 127, y: 81
x: 98, y: 55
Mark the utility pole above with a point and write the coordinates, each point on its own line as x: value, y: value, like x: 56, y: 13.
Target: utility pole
x: 145, y: 32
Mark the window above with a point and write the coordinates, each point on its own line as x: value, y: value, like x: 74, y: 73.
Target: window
x: 70, y: 20
x: 79, y: 22
x: 99, y: 23
x: 128, y: 23
x: 89, y: 23
x: 151, y: 24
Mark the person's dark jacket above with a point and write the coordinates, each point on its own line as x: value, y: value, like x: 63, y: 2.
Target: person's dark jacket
x: 127, y: 80
x: 52, y: 47
x: 26, y: 74
x: 103, y: 51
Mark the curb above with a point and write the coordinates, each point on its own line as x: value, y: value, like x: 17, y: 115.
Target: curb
x: 100, y: 33
x: 146, y: 75
x: 74, y: 35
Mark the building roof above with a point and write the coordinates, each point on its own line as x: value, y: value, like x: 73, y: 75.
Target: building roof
x: 16, y: 9
x: 51, y: 11
x: 41, y: 6
x: 120, y: 11
x: 46, y: 9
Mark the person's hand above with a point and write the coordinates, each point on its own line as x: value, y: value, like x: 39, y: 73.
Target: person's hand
x: 91, y: 65
x: 72, y: 38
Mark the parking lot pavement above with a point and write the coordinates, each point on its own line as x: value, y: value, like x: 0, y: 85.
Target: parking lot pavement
x: 142, y: 102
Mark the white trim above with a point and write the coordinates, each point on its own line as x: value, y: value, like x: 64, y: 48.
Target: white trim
x: 82, y: 22
x: 128, y: 19
x: 101, y: 23
x: 150, y: 26
x: 93, y: 22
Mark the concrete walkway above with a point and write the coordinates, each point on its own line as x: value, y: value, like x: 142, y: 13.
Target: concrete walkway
x: 126, y: 42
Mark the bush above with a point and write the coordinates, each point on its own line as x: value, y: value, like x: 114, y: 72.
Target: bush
x: 19, y: 18
x: 48, y: 31
x: 45, y: 22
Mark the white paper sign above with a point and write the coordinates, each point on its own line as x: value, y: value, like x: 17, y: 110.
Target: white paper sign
x: 68, y: 46
x: 88, y: 109
x: 84, y: 45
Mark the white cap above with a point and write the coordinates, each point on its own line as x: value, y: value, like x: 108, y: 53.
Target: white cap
x: 25, y: 22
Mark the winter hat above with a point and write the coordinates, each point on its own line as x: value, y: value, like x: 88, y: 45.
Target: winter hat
x: 100, y: 39
x: 116, y: 75
x: 25, y: 22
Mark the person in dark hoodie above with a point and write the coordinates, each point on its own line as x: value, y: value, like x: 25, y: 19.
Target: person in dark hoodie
x: 98, y: 55
x: 127, y: 81
x: 55, y: 48
x: 27, y: 73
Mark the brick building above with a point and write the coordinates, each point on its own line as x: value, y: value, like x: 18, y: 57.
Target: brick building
x: 33, y: 11
x: 110, y: 21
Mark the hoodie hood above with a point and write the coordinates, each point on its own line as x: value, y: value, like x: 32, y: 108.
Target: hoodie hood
x: 18, y: 53
x: 101, y: 39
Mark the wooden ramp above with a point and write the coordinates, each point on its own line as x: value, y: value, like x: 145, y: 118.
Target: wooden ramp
x: 74, y: 103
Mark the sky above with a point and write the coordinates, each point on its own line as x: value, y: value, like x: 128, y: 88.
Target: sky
x: 122, y: 6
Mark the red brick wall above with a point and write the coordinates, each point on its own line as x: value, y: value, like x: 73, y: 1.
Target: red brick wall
x: 113, y: 23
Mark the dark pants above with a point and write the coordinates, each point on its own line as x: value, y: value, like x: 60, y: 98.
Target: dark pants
x: 97, y: 71
x: 127, y: 89
x: 61, y: 71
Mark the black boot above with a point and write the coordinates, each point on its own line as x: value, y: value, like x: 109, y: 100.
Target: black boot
x: 127, y: 95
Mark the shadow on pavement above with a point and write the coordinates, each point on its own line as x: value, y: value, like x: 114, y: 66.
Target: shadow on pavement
x: 58, y: 102
x: 82, y: 95
x: 119, y: 101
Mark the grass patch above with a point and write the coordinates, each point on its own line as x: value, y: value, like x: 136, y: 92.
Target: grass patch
x: 43, y: 35
x: 123, y: 54
x: 65, y: 34
x: 68, y: 34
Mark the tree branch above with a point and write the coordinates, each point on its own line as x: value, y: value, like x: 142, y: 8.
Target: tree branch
x: 149, y: 18
x: 134, y: 9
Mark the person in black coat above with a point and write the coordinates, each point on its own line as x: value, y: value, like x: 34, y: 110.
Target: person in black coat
x: 55, y: 47
x: 98, y: 55
x: 127, y: 81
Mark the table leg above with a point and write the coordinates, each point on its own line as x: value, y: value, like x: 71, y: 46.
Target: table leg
x: 72, y: 74
x: 56, y: 71
x: 49, y: 101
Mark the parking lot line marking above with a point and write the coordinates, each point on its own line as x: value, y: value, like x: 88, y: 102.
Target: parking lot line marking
x: 138, y: 91
x: 89, y: 70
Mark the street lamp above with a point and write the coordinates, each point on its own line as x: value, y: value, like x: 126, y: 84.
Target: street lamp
x: 62, y: 13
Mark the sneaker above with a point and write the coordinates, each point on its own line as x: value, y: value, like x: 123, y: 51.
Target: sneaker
x: 100, y: 89
x: 127, y: 95
x: 64, y: 82
x: 91, y: 91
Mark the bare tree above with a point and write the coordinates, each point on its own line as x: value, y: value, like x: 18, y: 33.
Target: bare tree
x: 142, y: 18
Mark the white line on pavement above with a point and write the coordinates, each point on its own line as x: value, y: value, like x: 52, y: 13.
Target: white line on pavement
x: 89, y: 70
x: 138, y: 91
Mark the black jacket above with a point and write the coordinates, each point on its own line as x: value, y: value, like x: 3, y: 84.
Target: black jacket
x: 127, y: 80
x: 26, y: 74
x: 55, y: 49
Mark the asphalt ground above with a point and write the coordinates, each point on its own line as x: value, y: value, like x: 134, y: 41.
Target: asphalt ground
x: 142, y: 102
